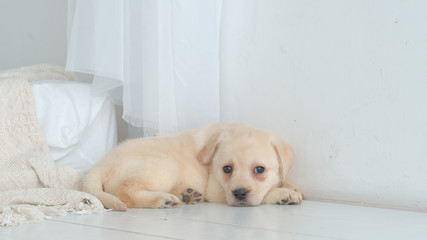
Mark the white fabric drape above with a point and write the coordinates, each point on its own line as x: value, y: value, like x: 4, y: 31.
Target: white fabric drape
x: 159, y: 58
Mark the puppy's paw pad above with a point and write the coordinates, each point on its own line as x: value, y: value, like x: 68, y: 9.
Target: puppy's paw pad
x: 286, y: 202
x: 189, y: 196
x: 283, y: 201
x: 169, y: 202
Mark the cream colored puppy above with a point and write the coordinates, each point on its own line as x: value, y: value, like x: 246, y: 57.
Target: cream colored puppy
x: 224, y: 162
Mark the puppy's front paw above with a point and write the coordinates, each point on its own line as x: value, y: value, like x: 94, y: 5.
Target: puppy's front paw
x: 283, y: 196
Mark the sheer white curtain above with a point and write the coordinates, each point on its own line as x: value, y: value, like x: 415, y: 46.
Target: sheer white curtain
x: 159, y: 58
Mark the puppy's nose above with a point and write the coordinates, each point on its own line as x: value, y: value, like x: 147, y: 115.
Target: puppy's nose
x: 240, y: 193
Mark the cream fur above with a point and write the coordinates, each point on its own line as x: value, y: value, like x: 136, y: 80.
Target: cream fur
x: 188, y: 168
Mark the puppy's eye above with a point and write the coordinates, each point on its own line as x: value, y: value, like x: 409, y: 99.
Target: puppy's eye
x: 227, y: 169
x: 259, y: 169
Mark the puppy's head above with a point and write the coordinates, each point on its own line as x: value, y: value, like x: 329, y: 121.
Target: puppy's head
x: 247, y: 163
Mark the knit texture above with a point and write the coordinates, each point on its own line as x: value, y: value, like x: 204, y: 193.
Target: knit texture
x: 31, y: 186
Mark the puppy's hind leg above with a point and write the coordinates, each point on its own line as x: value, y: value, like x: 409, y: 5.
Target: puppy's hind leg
x: 135, y: 195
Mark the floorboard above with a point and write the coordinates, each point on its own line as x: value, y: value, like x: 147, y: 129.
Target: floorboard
x: 311, y: 220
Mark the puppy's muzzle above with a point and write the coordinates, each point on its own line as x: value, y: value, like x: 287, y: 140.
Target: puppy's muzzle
x: 240, y: 193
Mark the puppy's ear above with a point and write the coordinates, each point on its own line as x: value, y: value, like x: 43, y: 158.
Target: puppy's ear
x: 208, y: 151
x: 285, y: 154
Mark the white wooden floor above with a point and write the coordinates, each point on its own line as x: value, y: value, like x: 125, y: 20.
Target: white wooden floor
x: 311, y: 220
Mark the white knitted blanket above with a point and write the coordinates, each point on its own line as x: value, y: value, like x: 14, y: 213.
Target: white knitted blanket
x: 31, y: 186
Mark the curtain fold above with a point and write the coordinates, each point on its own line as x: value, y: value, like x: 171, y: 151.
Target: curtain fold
x: 160, y: 59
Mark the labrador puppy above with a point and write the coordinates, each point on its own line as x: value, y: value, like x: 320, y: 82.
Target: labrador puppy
x: 229, y: 163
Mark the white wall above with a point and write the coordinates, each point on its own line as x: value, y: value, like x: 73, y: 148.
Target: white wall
x: 32, y: 32
x: 345, y: 82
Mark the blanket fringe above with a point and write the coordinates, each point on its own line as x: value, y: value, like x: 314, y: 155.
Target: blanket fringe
x: 25, y: 213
